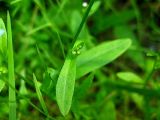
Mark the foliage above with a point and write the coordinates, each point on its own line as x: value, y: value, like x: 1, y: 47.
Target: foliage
x: 73, y: 60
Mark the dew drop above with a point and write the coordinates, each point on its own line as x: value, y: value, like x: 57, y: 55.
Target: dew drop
x: 84, y: 4
x: 1, y: 32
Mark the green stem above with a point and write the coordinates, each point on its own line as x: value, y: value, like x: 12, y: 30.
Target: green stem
x: 147, y: 108
x: 82, y: 22
x: 138, y: 17
x: 12, y: 93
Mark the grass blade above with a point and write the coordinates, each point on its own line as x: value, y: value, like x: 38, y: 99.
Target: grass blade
x: 12, y: 93
x: 39, y: 94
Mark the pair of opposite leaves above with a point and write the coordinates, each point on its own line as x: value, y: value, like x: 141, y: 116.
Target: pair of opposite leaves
x: 76, y: 67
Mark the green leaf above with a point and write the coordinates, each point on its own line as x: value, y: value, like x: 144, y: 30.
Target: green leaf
x: 3, y: 37
x: 95, y: 7
x: 129, y: 77
x: 65, y: 85
x: 100, y: 55
x: 11, y: 75
x: 138, y: 99
x: 39, y: 94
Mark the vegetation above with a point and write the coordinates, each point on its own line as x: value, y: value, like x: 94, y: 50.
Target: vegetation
x: 79, y: 60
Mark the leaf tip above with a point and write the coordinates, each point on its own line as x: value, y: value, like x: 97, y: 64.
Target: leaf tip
x: 128, y: 42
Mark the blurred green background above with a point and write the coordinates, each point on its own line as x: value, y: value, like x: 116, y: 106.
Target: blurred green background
x: 126, y: 89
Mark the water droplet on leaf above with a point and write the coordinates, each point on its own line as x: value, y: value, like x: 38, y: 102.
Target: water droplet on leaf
x: 1, y: 32
x: 84, y: 4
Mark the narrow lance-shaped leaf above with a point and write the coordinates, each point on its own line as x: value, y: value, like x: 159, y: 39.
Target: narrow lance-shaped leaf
x: 39, y: 94
x: 100, y: 55
x: 65, y: 85
x: 11, y: 77
x: 130, y: 77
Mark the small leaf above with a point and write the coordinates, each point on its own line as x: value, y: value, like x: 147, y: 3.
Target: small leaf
x: 65, y: 85
x: 138, y: 99
x: 129, y: 77
x: 95, y: 7
x: 3, y: 37
x: 100, y: 56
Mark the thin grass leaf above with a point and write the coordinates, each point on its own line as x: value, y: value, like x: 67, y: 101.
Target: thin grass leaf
x: 100, y: 56
x: 41, y: 58
x: 39, y: 94
x: 12, y: 93
x: 33, y: 31
x: 65, y: 85
x: 28, y: 101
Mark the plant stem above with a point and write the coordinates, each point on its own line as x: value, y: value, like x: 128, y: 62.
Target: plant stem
x: 147, y: 99
x: 12, y: 93
x: 83, y: 21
